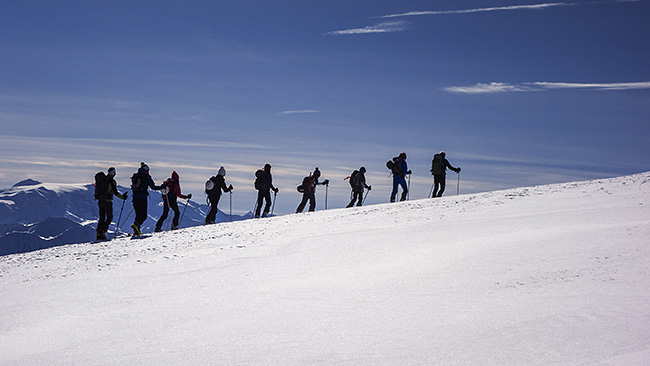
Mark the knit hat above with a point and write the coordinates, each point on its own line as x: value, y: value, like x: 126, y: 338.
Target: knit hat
x: 144, y: 166
x: 111, y: 171
x: 222, y: 172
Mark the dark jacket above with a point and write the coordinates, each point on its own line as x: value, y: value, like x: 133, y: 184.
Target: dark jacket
x: 147, y: 182
x: 439, y: 165
x: 265, y: 180
x: 112, y: 190
x: 219, y: 185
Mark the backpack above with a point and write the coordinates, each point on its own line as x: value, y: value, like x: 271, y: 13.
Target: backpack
x: 137, y: 182
x: 167, y: 187
x: 258, y: 181
x: 437, y: 165
x: 209, y: 186
x: 394, y: 167
x: 305, y: 186
x: 101, y: 186
x: 355, y: 179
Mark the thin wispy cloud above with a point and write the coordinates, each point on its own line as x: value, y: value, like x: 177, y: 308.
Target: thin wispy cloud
x: 301, y: 111
x: 497, y: 87
x: 599, y: 86
x: 479, y: 10
x: 384, y: 27
x: 481, y: 88
x: 501, y: 8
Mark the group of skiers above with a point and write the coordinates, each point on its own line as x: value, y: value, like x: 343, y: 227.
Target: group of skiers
x: 141, y: 182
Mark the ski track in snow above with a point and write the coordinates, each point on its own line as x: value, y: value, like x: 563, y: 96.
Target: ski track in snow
x: 580, y: 263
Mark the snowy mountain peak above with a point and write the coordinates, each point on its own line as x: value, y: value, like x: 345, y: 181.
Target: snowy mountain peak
x: 27, y: 182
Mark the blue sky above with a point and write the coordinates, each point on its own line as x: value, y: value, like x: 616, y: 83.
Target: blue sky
x: 517, y: 93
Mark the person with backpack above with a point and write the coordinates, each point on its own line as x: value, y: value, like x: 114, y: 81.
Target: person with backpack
x: 140, y: 184
x: 170, y: 193
x: 105, y: 188
x: 264, y: 185
x: 213, y: 188
x: 439, y: 166
x: 308, y: 190
x: 399, y: 169
x: 358, y: 183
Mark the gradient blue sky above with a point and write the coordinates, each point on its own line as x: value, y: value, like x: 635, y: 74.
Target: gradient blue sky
x: 518, y: 93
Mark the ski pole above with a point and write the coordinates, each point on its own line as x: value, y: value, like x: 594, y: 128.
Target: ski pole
x: 117, y: 225
x: 432, y: 184
x: 408, y: 193
x: 183, y: 214
x: 230, y: 206
x: 364, y: 197
x: 127, y: 217
x: 458, y: 184
x: 275, y: 194
x: 326, y: 189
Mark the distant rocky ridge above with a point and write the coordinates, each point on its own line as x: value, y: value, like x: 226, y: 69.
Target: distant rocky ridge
x: 36, y: 215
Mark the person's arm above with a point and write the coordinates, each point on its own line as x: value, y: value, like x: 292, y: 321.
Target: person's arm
x: 112, y: 189
x: 152, y: 185
x: 451, y: 167
x: 177, y: 192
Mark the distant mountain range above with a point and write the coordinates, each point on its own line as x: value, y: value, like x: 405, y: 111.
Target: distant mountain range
x: 36, y: 215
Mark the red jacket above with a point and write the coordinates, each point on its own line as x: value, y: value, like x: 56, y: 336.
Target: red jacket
x: 175, y: 186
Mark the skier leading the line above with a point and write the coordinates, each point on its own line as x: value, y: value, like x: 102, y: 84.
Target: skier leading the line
x: 439, y: 166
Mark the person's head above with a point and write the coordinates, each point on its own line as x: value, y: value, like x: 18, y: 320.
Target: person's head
x: 402, y: 156
x: 111, y: 172
x: 442, y: 153
x: 316, y: 172
x: 175, y: 175
x: 267, y: 167
x: 144, y: 168
x: 222, y: 172
x: 362, y: 169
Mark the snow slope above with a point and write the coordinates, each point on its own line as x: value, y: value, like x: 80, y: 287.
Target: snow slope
x: 547, y: 275
x: 35, y: 215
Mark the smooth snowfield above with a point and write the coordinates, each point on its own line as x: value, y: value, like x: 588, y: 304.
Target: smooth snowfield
x: 547, y: 275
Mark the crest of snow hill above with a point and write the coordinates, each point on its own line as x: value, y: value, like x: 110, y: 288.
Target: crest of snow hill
x: 35, y: 215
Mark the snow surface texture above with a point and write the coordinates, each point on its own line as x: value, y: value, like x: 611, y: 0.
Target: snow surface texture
x: 547, y: 275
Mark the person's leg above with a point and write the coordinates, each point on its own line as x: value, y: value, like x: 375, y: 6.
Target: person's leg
x: 267, y: 208
x: 101, y: 221
x: 173, y: 204
x: 260, y: 200
x: 303, y: 203
x: 312, y: 201
x: 443, y: 183
x: 405, y: 190
x: 395, y: 185
x: 163, y: 217
x: 212, y: 215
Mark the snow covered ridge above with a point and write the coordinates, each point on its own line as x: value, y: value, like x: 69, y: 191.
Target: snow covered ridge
x: 35, y: 215
x: 556, y: 274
